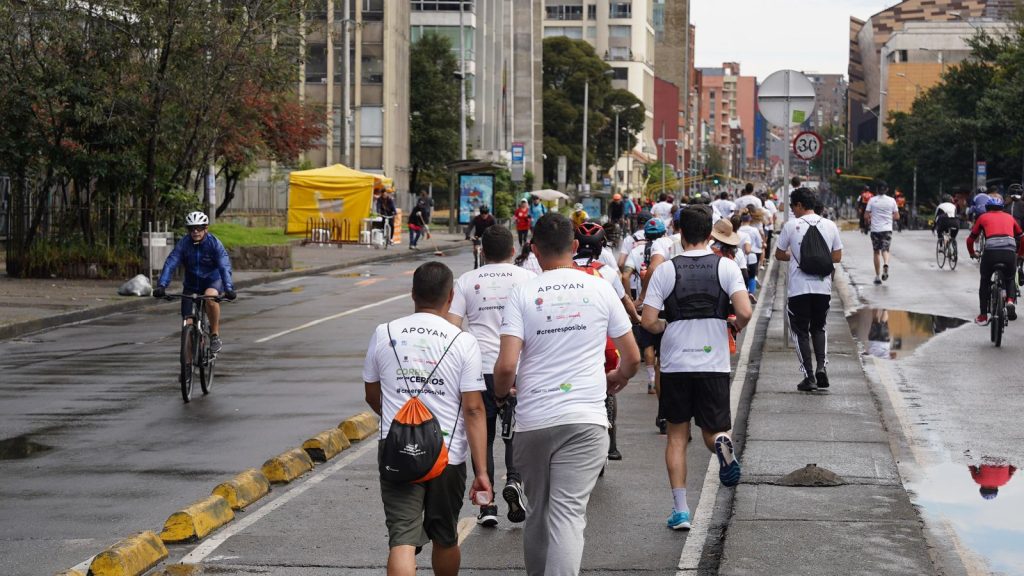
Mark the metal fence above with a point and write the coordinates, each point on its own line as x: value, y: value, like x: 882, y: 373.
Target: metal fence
x: 261, y: 197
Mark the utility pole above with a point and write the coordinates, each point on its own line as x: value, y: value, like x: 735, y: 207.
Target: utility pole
x: 462, y: 82
x: 345, y: 85
x: 583, y: 161
x: 663, y: 157
x: 615, y: 167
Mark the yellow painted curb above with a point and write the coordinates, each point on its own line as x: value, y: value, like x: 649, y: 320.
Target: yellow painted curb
x: 244, y: 489
x: 197, y: 520
x: 284, y: 468
x: 326, y: 445
x: 129, y: 557
x: 360, y: 426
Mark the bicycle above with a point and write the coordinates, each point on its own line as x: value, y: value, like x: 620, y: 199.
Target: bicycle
x: 946, y: 251
x: 195, y: 345
x: 476, y: 253
x: 997, y: 305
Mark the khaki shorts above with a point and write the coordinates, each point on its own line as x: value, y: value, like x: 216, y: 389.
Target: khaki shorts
x: 429, y: 512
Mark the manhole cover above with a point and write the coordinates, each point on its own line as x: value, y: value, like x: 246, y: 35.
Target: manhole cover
x: 812, y: 475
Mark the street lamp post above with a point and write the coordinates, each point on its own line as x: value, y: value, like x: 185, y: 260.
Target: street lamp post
x: 586, y: 106
x: 615, y: 168
x: 882, y: 93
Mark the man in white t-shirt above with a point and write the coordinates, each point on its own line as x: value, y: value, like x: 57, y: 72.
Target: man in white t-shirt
x: 553, y: 338
x: 424, y: 356
x: 631, y: 241
x: 479, y: 302
x: 697, y: 290
x: 633, y: 274
x: 748, y: 200
x: 809, y: 295
x: 881, y: 211
x: 945, y: 218
x: 724, y: 206
x: 663, y: 210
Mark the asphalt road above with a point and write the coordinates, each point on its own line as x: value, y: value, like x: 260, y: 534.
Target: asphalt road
x: 98, y: 444
x: 956, y: 399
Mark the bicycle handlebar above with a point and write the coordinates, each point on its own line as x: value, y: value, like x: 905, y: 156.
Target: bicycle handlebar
x: 194, y: 297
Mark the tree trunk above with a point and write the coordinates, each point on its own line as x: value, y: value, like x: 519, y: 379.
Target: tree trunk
x: 149, y: 192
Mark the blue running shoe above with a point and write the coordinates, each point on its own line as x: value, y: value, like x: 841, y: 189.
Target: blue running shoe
x: 679, y: 520
x: 729, y: 466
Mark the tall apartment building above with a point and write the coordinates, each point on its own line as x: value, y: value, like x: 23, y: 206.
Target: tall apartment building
x: 726, y: 115
x: 374, y: 101
x: 502, y: 44
x: 673, y: 57
x: 868, y: 39
x: 621, y: 32
x: 830, y: 101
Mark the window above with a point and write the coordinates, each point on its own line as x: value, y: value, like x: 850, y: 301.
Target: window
x: 441, y: 6
x: 592, y: 32
x: 373, y: 10
x: 620, y: 32
x: 620, y: 9
x: 620, y: 74
x: 449, y: 32
x: 316, y: 63
x: 562, y: 12
x: 619, y: 53
x: 373, y: 63
x: 371, y: 126
x: 592, y: 12
x: 573, y: 32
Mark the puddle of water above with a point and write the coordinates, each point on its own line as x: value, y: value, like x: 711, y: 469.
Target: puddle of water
x: 894, y: 334
x: 20, y: 447
x: 983, y: 503
x: 353, y: 275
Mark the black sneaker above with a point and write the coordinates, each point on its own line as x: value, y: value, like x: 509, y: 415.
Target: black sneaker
x: 662, y: 425
x: 885, y: 272
x: 215, y: 344
x: 513, y: 495
x: 488, y: 516
x: 807, y: 385
x: 1011, y: 310
x: 821, y: 379
x: 614, y: 454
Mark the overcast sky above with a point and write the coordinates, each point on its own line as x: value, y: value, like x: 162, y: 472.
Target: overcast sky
x: 769, y: 35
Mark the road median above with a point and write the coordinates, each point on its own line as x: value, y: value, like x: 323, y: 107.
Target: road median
x: 360, y: 426
x: 284, y: 468
x: 244, y: 489
x: 129, y: 557
x: 326, y: 445
x: 196, y: 521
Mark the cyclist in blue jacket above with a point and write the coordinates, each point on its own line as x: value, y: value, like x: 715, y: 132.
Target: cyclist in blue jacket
x: 207, y: 271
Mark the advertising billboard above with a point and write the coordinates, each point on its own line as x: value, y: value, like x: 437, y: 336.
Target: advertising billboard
x: 475, y: 190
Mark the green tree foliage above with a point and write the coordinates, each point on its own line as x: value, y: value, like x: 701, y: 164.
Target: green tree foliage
x: 569, y: 65
x: 122, y: 104
x: 434, y: 101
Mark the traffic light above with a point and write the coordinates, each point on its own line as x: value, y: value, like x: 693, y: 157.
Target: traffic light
x: 715, y: 180
x: 839, y: 172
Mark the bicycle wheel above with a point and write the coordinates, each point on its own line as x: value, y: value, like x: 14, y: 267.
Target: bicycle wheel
x: 951, y: 254
x: 187, y: 365
x: 207, y: 361
x: 997, y: 307
x: 940, y: 252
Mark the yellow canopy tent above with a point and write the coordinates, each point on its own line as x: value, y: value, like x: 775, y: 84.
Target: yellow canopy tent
x: 334, y: 192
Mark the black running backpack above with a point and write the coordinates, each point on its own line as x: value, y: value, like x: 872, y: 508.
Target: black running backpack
x: 815, y: 255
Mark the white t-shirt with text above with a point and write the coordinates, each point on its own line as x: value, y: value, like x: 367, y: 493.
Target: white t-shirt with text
x: 694, y: 345
x: 480, y: 297
x: 792, y: 238
x: 419, y: 340
x: 609, y: 273
x: 564, y: 318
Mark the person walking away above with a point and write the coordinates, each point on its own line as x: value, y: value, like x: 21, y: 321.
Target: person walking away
x: 663, y: 210
x: 616, y: 213
x: 207, y: 271
x: 478, y: 304
x: 590, y: 239
x: 553, y: 335
x: 633, y: 273
x: 417, y: 225
x: 810, y: 293
x: 629, y: 212
x: 1002, y: 246
x: 862, y: 203
x: 756, y: 248
x: 771, y: 224
x: 405, y: 356
x: 748, y: 201
x: 901, y: 207
x: 724, y: 206
x: 695, y: 290
x: 880, y: 212
x: 637, y: 238
x: 537, y: 209
x: 523, y: 221
x: 528, y: 260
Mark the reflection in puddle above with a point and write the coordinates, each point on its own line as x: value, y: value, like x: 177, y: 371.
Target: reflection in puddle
x: 353, y: 275
x: 896, y: 333
x: 20, y: 447
x: 983, y: 503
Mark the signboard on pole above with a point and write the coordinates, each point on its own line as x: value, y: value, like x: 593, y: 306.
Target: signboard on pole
x: 475, y: 190
x: 518, y: 156
x: 807, y: 146
x: 981, y: 174
x: 562, y: 166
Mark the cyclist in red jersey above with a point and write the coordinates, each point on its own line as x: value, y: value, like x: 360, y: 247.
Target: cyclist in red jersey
x: 991, y: 478
x: 1002, y: 246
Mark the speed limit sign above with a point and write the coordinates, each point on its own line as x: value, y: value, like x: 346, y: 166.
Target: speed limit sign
x: 807, y: 145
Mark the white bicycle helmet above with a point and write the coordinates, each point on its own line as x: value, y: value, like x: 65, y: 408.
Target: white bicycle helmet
x: 197, y: 219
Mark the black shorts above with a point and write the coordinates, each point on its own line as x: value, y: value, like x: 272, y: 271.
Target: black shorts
x: 702, y: 396
x: 645, y: 338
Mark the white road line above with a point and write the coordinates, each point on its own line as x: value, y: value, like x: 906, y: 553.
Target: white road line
x: 206, y: 548
x: 466, y: 526
x: 693, y: 548
x: 291, y: 280
x: 329, y: 318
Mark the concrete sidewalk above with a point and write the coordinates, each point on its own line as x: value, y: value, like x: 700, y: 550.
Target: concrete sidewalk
x: 867, y: 525
x: 28, y: 305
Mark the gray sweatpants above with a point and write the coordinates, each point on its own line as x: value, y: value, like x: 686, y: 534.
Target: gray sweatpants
x: 559, y: 468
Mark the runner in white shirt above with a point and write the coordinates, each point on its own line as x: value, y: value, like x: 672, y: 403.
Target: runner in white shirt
x: 756, y: 248
x: 669, y: 247
x: 663, y: 210
x: 424, y: 355
x: 633, y: 273
x: 695, y: 290
x: 724, y: 206
x: 555, y: 330
x: 478, y: 304
x: 809, y: 296
x: 881, y: 211
x: 748, y: 199
x: 771, y: 226
x: 631, y: 240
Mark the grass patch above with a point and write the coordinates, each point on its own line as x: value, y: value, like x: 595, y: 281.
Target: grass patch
x: 234, y: 235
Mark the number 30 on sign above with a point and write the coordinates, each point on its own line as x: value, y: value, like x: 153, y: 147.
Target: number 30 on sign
x: 807, y: 145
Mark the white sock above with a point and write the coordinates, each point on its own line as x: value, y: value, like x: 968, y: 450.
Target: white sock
x: 679, y: 499
x: 650, y: 374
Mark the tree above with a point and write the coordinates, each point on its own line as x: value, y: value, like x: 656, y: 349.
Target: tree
x: 569, y: 67
x: 434, y: 101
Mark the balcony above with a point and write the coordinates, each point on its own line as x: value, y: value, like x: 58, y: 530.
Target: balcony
x: 620, y: 10
x: 563, y: 12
